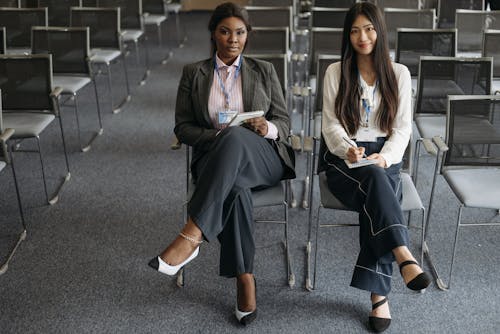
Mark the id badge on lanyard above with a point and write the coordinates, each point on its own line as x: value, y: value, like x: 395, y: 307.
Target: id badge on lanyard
x: 224, y: 117
x: 365, y: 132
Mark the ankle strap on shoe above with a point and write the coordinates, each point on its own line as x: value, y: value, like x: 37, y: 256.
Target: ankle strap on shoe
x: 190, y: 238
x: 377, y: 304
x: 405, y: 263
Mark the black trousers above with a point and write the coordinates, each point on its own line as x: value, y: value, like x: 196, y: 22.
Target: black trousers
x: 221, y: 205
x: 375, y: 193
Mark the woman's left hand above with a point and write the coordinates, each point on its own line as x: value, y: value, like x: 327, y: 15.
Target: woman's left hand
x: 257, y: 125
x: 381, y: 159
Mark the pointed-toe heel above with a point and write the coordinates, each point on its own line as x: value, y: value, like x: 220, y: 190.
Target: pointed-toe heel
x: 158, y: 264
x: 245, y: 318
x: 420, y: 282
x: 378, y: 325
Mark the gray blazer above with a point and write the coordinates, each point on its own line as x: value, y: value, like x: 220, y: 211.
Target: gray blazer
x: 261, y: 91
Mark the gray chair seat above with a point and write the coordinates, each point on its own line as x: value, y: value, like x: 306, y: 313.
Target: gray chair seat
x: 27, y: 124
x: 132, y: 35
x: 70, y: 84
x: 174, y: 7
x: 475, y: 187
x: 411, y: 199
x: 153, y: 19
x: 431, y: 125
x: 265, y: 197
x: 18, y: 51
x: 2, y: 165
x: 104, y: 56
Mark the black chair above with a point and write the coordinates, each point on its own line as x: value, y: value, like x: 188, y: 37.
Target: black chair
x: 10, y: 3
x: 3, y: 47
x: 18, y: 23
x: 411, y: 44
x: 261, y: 16
x: 470, y: 165
x: 70, y: 52
x: 270, y: 40
x: 31, y: 104
x: 470, y: 24
x: 5, y: 136
x: 407, y: 18
x: 491, y: 48
x: 407, y: 4
x: 327, y: 17
x: 59, y: 11
x: 334, y: 3
x: 105, y: 42
x: 446, y: 10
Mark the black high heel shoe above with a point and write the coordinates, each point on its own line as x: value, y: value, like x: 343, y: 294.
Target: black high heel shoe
x: 377, y: 324
x: 420, y: 282
x: 245, y: 318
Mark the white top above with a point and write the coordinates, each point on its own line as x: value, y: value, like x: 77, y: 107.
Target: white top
x: 333, y: 132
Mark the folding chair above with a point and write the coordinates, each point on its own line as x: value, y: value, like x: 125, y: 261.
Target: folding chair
x: 268, y: 197
x: 413, y: 43
x: 70, y: 51
x: 18, y: 23
x: 407, y: 18
x: 471, y: 163
x: 132, y: 26
x: 439, y: 77
x: 155, y: 14
x: 5, y: 135
x: 105, y: 41
x: 32, y: 103
x: 58, y: 11
x: 470, y: 24
x: 411, y: 201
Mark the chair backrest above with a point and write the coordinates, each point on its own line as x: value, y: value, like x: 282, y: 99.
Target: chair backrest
x: 58, y: 10
x: 10, y: 3
x: 446, y: 10
x: 130, y: 12
x: 491, y: 48
x: 334, y: 3
x: 274, y: 3
x: 473, y: 131
x: 439, y: 77
x: 70, y: 48
x: 408, y: 4
x: 280, y: 63
x: 326, y: 41
x: 3, y: 46
x: 18, y: 23
x: 322, y: 63
x: 261, y: 16
x: 322, y: 17
x: 411, y: 44
x: 156, y: 7
x: 26, y: 82
x: 104, y: 24
x: 268, y: 40
x: 471, y: 24
x: 407, y: 18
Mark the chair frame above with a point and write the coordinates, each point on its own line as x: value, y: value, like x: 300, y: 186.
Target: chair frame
x: 442, y: 151
x: 284, y: 221
x: 3, y: 45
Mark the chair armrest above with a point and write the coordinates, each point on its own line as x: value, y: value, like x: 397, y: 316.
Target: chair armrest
x: 56, y: 92
x: 442, y: 147
x: 429, y: 146
x: 6, y: 135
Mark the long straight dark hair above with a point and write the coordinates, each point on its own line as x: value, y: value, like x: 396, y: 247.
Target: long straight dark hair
x: 348, y: 97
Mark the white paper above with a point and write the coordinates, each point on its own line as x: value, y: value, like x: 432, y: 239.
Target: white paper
x: 241, y: 117
x: 361, y: 163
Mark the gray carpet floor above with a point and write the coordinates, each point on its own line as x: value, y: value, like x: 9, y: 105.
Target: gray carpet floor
x: 83, y: 267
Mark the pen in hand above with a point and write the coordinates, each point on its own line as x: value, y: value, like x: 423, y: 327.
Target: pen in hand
x: 353, y: 144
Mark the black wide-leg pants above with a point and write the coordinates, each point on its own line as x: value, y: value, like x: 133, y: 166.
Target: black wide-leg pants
x: 221, y: 205
x: 375, y: 193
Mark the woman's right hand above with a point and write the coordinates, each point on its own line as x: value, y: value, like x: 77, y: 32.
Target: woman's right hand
x: 354, y: 154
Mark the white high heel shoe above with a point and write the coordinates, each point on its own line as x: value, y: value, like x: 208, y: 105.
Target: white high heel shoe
x: 163, y: 267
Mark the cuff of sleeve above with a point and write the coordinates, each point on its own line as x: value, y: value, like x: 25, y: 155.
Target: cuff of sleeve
x: 388, y: 161
x: 272, y: 131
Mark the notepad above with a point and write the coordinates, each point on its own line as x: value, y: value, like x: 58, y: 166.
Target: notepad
x: 361, y: 163
x: 241, y: 117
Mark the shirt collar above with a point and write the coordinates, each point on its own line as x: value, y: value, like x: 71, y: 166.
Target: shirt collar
x: 221, y: 64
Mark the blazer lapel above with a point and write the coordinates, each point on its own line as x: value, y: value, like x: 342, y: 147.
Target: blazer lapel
x: 204, y: 83
x: 248, y: 79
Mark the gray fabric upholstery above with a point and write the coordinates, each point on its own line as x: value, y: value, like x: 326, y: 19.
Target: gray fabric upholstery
x: 411, y: 199
x: 431, y: 125
x: 154, y: 19
x: 475, y: 187
x: 104, y: 56
x: 131, y: 35
x: 70, y: 84
x: 27, y: 124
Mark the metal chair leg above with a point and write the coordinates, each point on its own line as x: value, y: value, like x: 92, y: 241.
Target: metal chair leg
x: 67, y: 177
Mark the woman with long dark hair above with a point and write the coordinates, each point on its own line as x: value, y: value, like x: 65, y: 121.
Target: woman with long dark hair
x: 367, y: 116
x: 228, y: 162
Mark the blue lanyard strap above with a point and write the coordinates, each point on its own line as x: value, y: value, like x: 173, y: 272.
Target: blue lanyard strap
x: 366, y: 106
x: 224, y: 91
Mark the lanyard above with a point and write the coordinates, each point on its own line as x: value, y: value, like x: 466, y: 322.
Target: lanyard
x: 368, y: 104
x: 224, y: 91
